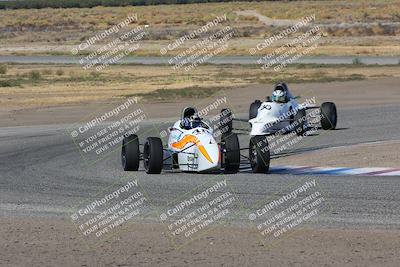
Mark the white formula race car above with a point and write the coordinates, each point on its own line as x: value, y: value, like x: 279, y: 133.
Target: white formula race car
x: 280, y: 113
x: 191, y: 148
x: 283, y: 112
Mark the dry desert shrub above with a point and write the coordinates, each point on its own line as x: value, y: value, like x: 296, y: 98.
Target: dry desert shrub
x: 3, y: 69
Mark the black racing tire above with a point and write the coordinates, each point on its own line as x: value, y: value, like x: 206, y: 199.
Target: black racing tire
x: 300, y: 120
x: 130, y: 153
x: 328, y: 116
x: 231, y: 153
x: 226, y: 121
x: 153, y: 155
x: 253, y: 110
x: 259, y: 154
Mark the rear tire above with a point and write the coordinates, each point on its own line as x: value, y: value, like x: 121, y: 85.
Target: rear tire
x: 153, y: 155
x: 231, y: 154
x: 130, y: 153
x: 226, y: 121
x: 328, y: 116
x: 254, y: 109
x: 259, y: 154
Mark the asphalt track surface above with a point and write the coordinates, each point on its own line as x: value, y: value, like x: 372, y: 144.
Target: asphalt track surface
x: 43, y: 174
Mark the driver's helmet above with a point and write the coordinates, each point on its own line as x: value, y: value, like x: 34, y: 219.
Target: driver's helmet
x: 195, y: 121
x: 190, y: 118
x: 188, y: 111
x: 279, y: 96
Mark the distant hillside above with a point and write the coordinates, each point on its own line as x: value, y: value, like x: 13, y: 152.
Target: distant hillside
x: 17, y: 4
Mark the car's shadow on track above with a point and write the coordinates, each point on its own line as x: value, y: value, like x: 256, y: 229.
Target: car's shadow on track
x: 340, y: 129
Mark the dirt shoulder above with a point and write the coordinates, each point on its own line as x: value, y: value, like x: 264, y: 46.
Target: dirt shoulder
x: 50, y: 242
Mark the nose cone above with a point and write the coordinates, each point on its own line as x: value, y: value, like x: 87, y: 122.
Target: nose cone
x: 257, y: 128
x: 209, y: 156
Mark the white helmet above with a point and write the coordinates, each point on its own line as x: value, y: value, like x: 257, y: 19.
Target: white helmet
x: 279, y: 96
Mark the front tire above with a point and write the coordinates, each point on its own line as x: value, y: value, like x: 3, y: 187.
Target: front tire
x: 253, y: 110
x: 231, y: 154
x: 328, y: 116
x: 153, y: 155
x: 130, y: 153
x: 259, y: 154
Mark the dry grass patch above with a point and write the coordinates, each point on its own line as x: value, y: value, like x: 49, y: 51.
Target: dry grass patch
x: 39, y: 87
x: 67, y: 27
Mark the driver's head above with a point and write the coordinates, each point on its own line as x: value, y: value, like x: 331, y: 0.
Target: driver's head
x: 281, y: 86
x: 188, y: 111
x: 279, y: 96
x: 195, y: 121
x: 190, y: 118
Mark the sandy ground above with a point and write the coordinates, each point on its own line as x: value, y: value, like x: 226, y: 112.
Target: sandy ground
x: 49, y: 242
x: 382, y: 154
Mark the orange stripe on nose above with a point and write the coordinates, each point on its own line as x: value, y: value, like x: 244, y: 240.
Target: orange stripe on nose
x: 192, y: 139
x: 185, y: 140
x: 205, y: 154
